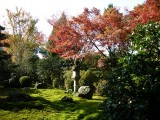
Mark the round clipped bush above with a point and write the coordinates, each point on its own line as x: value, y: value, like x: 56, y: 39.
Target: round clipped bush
x: 25, y: 81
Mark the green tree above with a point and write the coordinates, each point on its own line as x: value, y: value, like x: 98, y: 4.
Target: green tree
x: 4, y: 57
x: 22, y: 39
x: 49, y: 69
x: 3, y: 44
x: 133, y: 87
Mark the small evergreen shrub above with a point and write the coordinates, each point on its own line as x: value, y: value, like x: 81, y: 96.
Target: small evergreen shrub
x: 87, y: 78
x: 25, y: 81
x: 68, y: 80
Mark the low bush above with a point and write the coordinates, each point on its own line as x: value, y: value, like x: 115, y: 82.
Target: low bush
x: 68, y: 80
x: 25, y: 81
x: 88, y: 78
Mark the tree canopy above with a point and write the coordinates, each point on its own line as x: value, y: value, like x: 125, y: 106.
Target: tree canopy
x: 92, y: 31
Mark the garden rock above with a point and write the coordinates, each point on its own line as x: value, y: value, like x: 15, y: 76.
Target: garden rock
x: 18, y: 97
x: 67, y: 99
x: 40, y: 86
x: 85, y: 92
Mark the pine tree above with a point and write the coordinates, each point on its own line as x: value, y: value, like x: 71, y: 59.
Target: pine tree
x: 3, y: 54
x: 4, y: 57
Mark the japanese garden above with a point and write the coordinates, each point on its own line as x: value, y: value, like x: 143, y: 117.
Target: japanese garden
x: 99, y: 65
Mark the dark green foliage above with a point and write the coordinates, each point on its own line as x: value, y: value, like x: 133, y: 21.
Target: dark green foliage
x: 49, y: 69
x: 2, y: 36
x: 100, y: 81
x: 133, y: 86
x: 14, y: 81
x: 109, y: 7
x: 89, y: 61
x: 100, y: 87
x: 87, y: 78
x: 6, y: 68
x: 4, y: 55
x: 65, y: 63
x: 32, y: 66
x: 68, y: 81
x: 18, y: 97
x: 28, y: 65
x: 25, y: 81
x: 4, y: 58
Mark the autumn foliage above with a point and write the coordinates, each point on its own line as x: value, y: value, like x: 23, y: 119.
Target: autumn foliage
x: 93, y: 31
x: 148, y: 11
x: 64, y: 39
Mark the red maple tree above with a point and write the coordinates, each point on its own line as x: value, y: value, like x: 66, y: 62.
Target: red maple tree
x: 93, y: 31
x: 64, y: 40
x: 141, y: 14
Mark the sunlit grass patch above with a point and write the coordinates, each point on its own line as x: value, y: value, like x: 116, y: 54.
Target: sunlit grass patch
x: 46, y: 104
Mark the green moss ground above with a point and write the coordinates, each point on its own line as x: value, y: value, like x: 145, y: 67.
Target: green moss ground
x: 46, y: 105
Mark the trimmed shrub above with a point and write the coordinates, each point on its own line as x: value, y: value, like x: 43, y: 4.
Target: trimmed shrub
x: 87, y: 78
x: 68, y: 80
x: 25, y: 81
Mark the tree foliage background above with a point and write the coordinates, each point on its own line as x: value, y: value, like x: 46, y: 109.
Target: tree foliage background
x: 133, y: 87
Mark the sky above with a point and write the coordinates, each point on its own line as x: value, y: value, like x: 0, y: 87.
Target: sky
x: 46, y: 9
